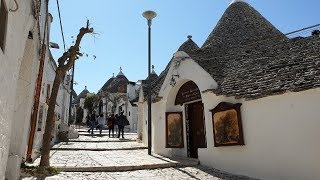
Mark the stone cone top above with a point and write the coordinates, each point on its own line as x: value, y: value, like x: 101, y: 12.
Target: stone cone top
x: 188, y: 45
x: 83, y: 94
x: 120, y: 73
x: 240, y: 25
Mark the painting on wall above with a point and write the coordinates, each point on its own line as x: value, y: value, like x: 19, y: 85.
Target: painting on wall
x: 174, y: 130
x: 227, y: 126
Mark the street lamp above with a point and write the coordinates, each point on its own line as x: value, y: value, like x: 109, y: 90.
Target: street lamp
x: 149, y: 15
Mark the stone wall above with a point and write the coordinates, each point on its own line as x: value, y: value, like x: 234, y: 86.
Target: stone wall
x: 18, y: 27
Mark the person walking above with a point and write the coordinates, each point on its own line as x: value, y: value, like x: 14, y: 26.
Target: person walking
x: 122, y: 121
x: 92, y: 122
x: 101, y: 122
x: 116, y: 123
x: 110, y: 124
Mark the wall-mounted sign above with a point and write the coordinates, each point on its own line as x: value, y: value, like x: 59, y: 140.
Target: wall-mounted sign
x: 188, y: 92
x: 174, y: 130
x: 227, y: 126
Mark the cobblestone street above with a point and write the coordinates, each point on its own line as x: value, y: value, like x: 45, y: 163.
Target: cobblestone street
x: 101, y: 157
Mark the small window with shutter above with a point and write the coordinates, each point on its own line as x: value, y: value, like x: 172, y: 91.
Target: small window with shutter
x: 40, y: 118
x: 48, y: 93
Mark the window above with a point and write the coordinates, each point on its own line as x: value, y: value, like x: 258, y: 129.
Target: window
x: 3, y: 23
x: 129, y: 113
x: 48, y: 93
x: 40, y: 118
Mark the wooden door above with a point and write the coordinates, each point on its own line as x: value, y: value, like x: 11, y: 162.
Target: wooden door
x: 197, y: 134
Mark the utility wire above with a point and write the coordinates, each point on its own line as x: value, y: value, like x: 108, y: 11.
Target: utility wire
x: 64, y: 44
x: 302, y: 29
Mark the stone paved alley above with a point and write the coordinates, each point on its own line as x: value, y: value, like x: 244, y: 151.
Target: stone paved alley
x: 101, y: 157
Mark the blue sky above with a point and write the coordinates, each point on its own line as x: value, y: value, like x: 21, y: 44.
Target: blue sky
x: 122, y: 31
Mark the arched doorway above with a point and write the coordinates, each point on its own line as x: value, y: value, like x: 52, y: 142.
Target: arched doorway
x: 189, y: 95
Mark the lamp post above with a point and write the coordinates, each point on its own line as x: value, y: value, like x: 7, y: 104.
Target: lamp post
x: 149, y: 15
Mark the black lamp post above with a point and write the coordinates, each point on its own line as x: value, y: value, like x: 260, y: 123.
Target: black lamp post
x: 149, y: 15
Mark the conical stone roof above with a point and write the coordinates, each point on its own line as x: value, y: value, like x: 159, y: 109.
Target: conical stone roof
x: 107, y: 84
x: 241, y: 24
x: 116, y: 84
x: 83, y: 94
x: 188, y: 45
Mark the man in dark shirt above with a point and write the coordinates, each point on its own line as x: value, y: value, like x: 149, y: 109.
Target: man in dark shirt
x: 92, y: 121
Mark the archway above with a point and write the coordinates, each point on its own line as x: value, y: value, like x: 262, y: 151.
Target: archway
x: 189, y: 95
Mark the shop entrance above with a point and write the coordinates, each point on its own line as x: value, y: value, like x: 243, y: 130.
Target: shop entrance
x: 196, y: 134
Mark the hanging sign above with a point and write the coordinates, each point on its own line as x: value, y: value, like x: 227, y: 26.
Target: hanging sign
x: 188, y: 92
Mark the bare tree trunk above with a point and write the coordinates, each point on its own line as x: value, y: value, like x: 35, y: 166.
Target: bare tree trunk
x: 65, y: 62
x: 46, y: 143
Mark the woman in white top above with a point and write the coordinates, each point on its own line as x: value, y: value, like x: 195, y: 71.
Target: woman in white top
x: 101, y: 122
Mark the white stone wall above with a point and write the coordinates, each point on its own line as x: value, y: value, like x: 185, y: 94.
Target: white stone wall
x: 132, y: 116
x: 280, y: 137
x: 280, y: 132
x: 131, y: 91
x: 142, y: 113
x: 19, y: 24
x: 22, y: 110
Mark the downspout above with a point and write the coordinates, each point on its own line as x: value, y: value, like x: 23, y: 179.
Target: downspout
x: 33, y: 122
x: 34, y: 113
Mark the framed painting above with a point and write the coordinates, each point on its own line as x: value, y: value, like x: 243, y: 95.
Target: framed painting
x: 174, y: 130
x: 227, y: 126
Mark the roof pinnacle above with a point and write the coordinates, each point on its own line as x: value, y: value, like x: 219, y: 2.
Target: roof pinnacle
x: 234, y: 1
x: 120, y: 73
x: 153, y: 72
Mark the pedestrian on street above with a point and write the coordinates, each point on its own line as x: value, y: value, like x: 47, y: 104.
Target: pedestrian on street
x: 116, y: 123
x: 88, y: 121
x: 92, y: 121
x: 101, y: 122
x: 122, y: 121
x: 110, y: 124
x: 97, y: 124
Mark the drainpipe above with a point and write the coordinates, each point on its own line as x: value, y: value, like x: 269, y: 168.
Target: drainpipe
x: 34, y: 114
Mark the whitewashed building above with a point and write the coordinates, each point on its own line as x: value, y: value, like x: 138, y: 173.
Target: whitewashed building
x: 119, y: 94
x: 78, y: 102
x: 246, y: 102
x: 24, y: 53
x: 20, y: 44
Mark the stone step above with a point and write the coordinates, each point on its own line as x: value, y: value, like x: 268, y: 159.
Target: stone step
x: 117, y: 168
x: 98, y: 149
x: 104, y: 130
x: 97, y: 134
x: 104, y: 141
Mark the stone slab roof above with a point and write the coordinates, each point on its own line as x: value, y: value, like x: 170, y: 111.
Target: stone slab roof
x: 260, y: 70
x: 189, y: 45
x: 113, y: 84
x: 249, y: 58
x: 83, y: 94
x: 107, y: 84
x: 241, y: 24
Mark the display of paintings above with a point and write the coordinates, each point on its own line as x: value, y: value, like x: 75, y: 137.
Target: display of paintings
x: 227, y: 127
x: 174, y: 130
